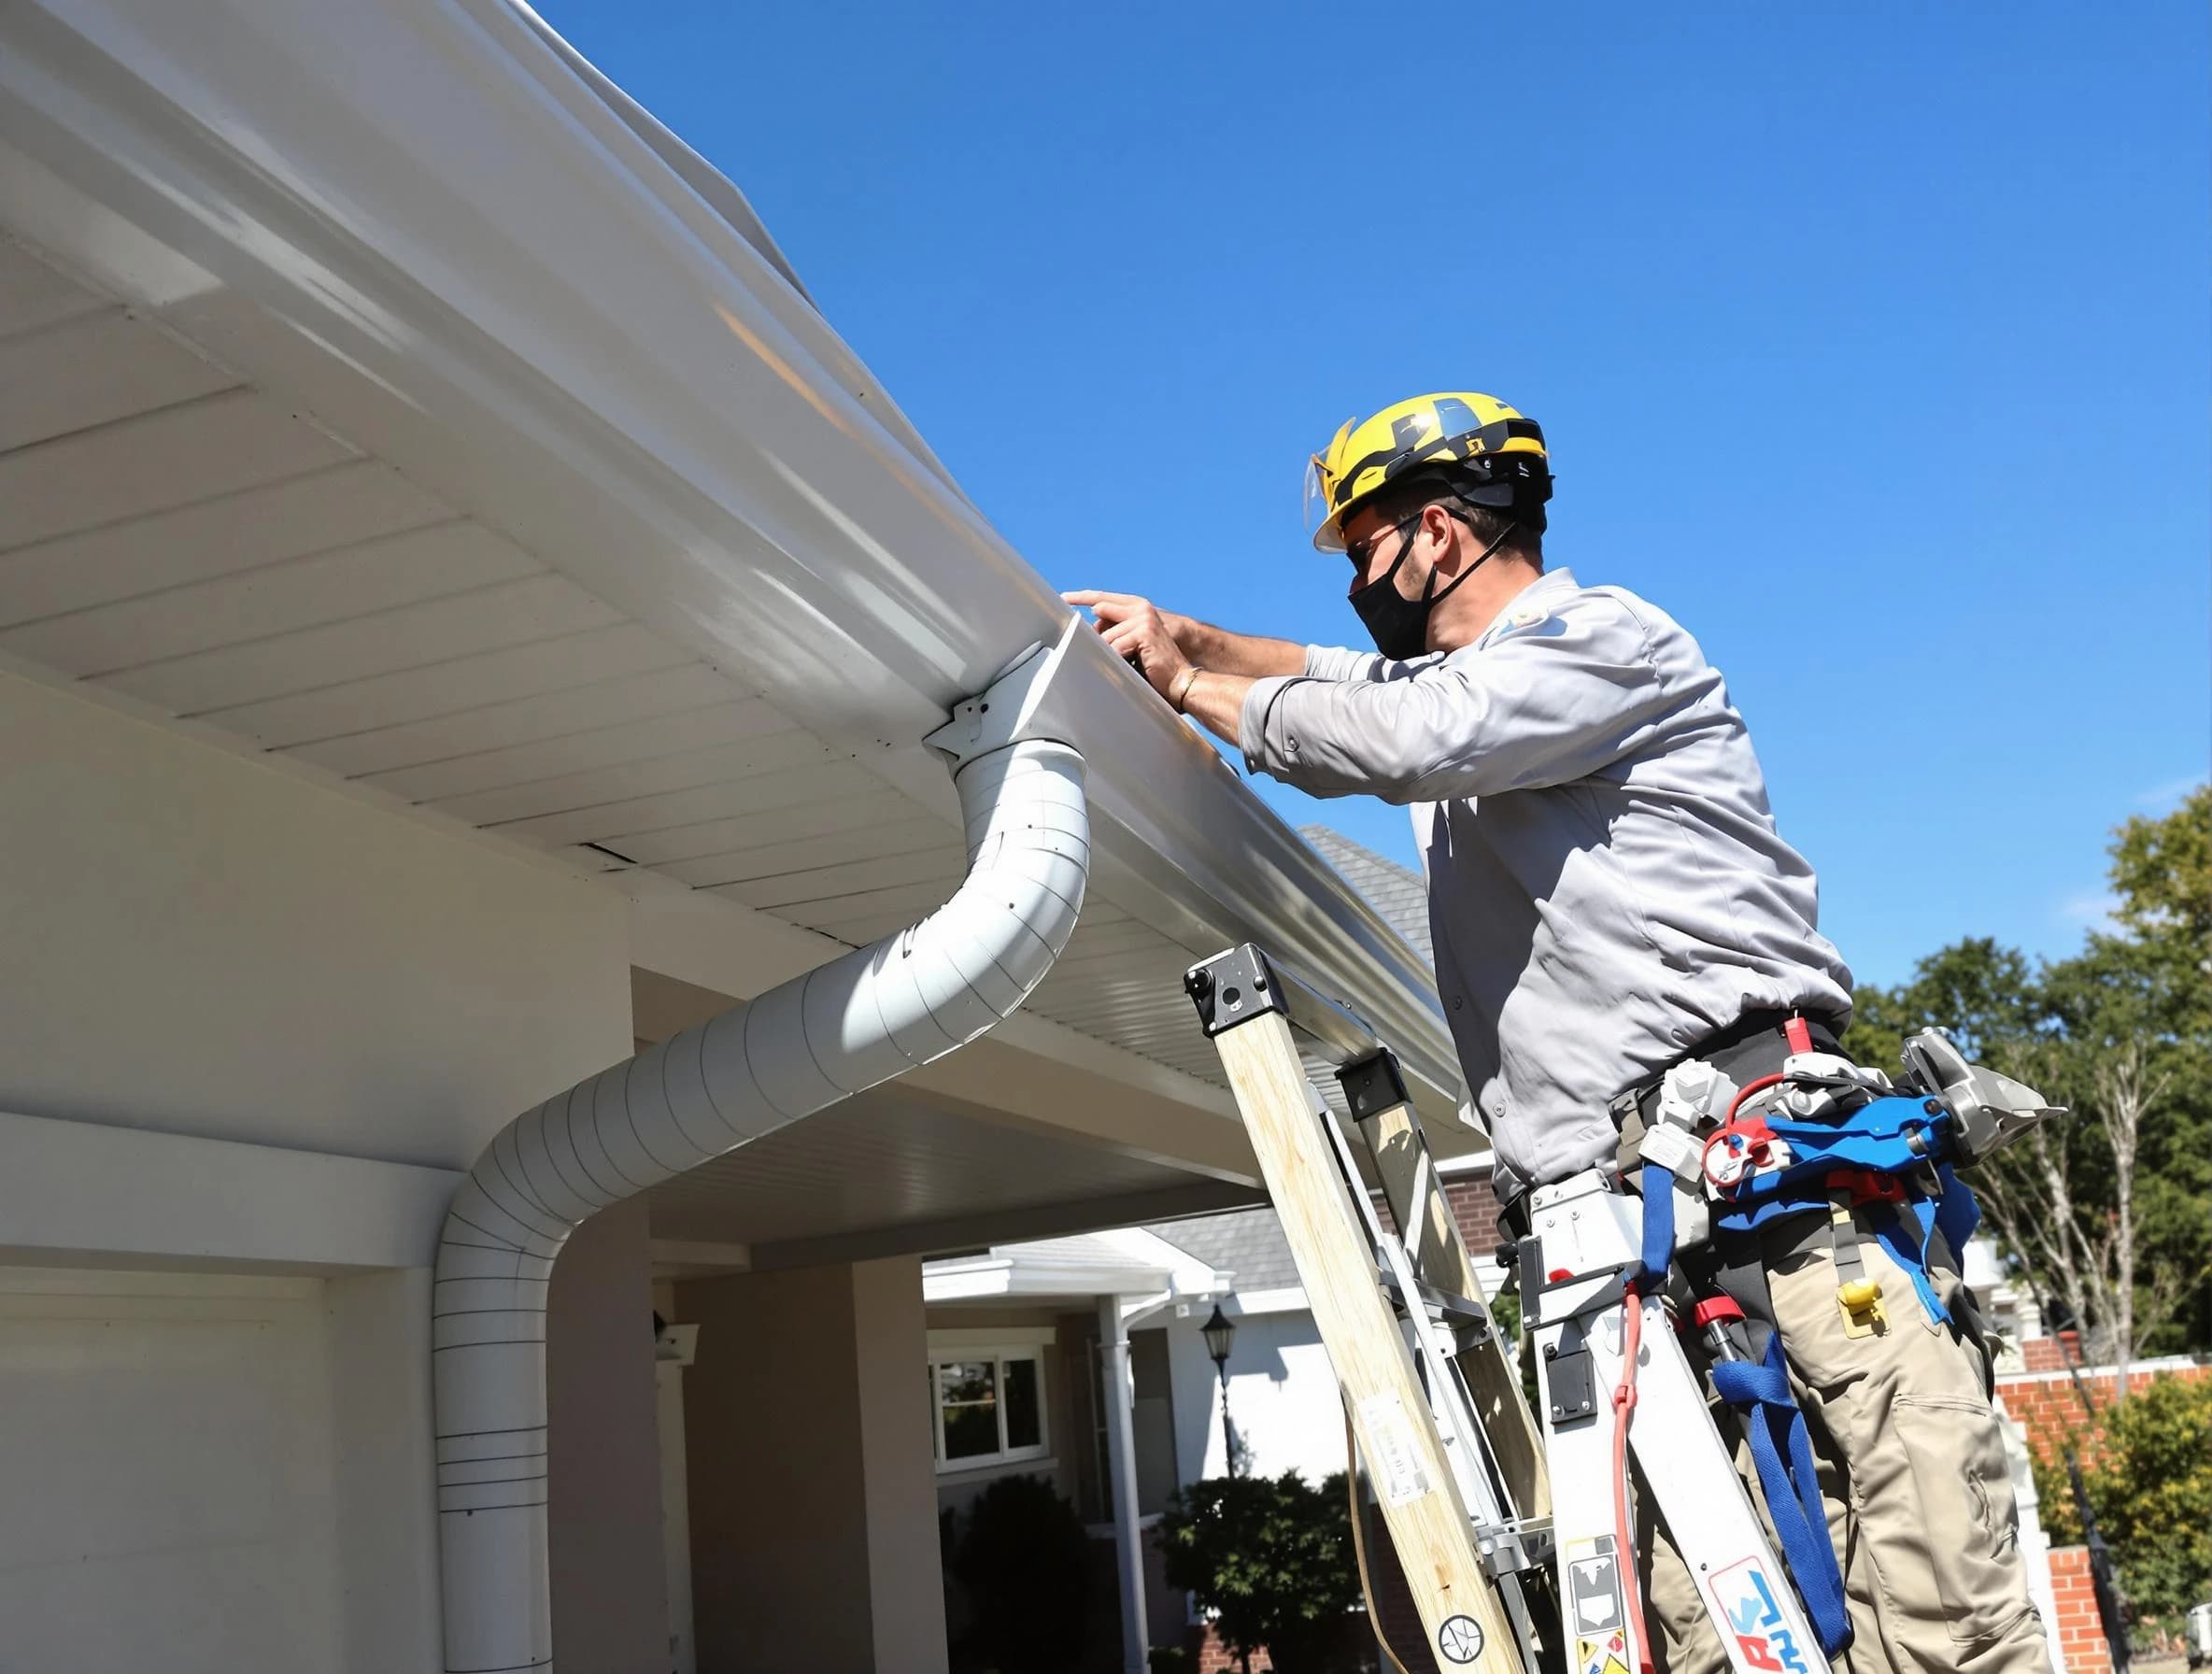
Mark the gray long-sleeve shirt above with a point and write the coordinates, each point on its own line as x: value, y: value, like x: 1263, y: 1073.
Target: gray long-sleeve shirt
x: 1606, y: 884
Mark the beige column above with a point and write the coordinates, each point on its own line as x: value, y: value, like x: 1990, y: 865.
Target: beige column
x: 813, y: 1502
x: 609, y: 1600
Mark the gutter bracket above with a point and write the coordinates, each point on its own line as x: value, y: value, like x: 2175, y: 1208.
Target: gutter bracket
x: 1009, y: 710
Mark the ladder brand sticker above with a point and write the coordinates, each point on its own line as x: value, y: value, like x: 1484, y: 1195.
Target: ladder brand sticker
x: 1750, y: 1613
x: 1460, y: 1640
x: 1391, y: 1459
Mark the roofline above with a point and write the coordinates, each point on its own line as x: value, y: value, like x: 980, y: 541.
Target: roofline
x: 356, y: 208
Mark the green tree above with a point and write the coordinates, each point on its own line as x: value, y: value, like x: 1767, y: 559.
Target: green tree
x: 2162, y: 872
x: 2108, y: 1210
x: 1273, y: 1558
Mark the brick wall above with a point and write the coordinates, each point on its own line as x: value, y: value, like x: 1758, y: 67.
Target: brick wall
x: 1474, y: 1209
x: 1474, y: 1206
x: 2051, y: 1353
x: 1216, y: 1658
x: 2048, y: 1411
x: 2081, y: 1635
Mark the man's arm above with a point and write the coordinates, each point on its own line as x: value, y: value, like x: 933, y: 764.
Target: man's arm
x: 1128, y: 622
x: 1161, y: 645
x: 1547, y: 702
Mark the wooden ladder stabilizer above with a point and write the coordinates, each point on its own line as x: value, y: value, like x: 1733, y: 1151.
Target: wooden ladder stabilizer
x: 1246, y: 1006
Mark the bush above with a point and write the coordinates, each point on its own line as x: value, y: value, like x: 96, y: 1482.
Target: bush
x: 1023, y: 1558
x: 2146, y: 1467
x: 1273, y: 1558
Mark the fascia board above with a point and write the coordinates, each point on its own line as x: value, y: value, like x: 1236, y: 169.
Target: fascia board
x: 421, y: 227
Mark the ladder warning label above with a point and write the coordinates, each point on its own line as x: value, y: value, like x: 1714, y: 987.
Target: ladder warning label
x: 1609, y: 1655
x: 1392, y: 1462
x: 1594, y: 1585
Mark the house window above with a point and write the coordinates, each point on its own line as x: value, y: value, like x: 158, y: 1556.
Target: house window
x: 987, y: 1407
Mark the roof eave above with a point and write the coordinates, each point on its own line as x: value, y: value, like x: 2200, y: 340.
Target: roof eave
x: 447, y: 245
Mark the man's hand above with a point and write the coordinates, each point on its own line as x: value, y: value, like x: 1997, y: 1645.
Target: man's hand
x: 1152, y: 640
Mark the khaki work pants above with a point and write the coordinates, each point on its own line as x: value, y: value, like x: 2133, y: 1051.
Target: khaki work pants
x: 1912, y: 1467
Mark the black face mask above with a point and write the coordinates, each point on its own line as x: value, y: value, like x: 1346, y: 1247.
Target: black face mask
x: 1399, y: 625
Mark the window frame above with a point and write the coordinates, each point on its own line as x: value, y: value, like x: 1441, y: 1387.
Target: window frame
x: 999, y: 1355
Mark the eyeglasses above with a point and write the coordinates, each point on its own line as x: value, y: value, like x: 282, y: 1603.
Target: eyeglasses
x: 1360, y: 551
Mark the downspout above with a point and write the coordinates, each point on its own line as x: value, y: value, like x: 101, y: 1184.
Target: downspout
x: 1121, y: 1460
x: 847, y: 1026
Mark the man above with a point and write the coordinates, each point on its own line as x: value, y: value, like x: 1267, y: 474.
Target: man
x: 1609, y: 896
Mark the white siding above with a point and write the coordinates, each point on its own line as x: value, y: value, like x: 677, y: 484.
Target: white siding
x: 1282, y: 1397
x: 196, y: 944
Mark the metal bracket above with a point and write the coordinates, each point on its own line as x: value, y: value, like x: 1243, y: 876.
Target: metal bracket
x: 1570, y: 1382
x: 1374, y: 1085
x: 1008, y: 710
x: 1242, y: 983
x: 1513, y: 1548
x: 1233, y: 987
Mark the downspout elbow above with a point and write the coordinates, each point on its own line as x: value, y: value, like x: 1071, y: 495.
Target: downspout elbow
x: 852, y: 1024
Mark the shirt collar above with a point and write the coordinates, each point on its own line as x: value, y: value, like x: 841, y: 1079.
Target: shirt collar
x: 1540, y: 594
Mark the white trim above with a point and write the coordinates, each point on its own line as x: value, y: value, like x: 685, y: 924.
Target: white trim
x: 1288, y: 1299
x: 969, y: 1281
x: 976, y: 1470
x: 982, y: 1340
x: 2012, y: 1380
x: 83, y: 1191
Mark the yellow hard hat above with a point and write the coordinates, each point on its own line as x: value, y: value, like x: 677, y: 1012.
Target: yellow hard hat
x: 1497, y: 455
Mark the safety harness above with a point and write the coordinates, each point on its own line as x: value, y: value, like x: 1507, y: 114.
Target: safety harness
x: 1862, y: 1147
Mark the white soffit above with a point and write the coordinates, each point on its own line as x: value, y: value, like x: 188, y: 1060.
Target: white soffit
x: 304, y: 443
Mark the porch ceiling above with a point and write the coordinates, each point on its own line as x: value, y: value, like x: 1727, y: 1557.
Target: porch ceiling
x: 884, y: 1173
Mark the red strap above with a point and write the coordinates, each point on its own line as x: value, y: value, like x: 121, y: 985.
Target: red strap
x: 1866, y: 1186
x: 1714, y: 1308
x: 1800, y: 1034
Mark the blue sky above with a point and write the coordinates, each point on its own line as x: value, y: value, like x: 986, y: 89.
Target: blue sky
x: 1871, y: 342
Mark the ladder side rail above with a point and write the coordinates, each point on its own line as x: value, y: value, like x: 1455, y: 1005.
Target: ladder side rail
x: 1461, y: 1612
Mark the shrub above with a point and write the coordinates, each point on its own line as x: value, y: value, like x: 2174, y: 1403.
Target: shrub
x: 1272, y: 1559
x: 2147, y: 1467
x: 1023, y: 1558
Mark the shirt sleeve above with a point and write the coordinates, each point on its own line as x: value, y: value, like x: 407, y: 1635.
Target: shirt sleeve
x: 1334, y: 662
x: 1541, y: 704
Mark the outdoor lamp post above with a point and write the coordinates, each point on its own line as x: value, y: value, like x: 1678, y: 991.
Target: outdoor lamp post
x: 1219, y: 1332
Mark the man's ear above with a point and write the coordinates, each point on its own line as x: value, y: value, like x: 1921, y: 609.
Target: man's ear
x: 1444, y: 531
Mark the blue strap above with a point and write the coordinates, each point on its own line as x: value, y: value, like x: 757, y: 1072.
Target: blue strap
x: 1793, y: 1489
x: 1657, y: 1184
x: 1912, y: 1254
x: 1957, y: 1213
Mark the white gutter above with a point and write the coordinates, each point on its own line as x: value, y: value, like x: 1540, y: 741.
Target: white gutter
x: 820, y: 1037
x: 429, y: 228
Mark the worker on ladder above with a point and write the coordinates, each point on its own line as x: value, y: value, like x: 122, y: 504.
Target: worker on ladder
x: 1610, y: 898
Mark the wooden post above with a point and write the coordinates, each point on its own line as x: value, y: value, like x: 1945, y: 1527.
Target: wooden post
x: 1419, y: 1500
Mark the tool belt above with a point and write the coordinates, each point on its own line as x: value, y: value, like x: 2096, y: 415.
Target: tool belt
x: 1752, y: 1046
